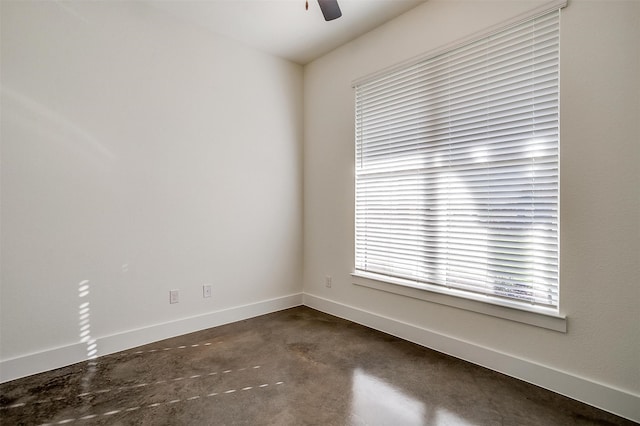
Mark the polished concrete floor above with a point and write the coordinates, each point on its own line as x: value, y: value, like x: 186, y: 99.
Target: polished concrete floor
x: 294, y: 367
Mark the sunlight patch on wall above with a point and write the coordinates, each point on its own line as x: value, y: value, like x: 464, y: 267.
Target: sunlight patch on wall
x: 84, y: 323
x: 84, y: 320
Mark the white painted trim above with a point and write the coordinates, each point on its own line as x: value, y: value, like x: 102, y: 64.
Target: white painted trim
x: 50, y: 359
x: 599, y: 395
x: 533, y: 13
x: 448, y: 297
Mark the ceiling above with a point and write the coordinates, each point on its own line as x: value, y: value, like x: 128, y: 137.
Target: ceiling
x: 283, y: 27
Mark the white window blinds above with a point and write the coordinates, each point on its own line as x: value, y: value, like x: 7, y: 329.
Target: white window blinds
x: 457, y: 169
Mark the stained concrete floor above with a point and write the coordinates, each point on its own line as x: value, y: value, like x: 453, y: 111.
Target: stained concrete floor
x: 294, y: 367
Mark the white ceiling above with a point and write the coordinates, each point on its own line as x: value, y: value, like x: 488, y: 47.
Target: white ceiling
x: 283, y: 27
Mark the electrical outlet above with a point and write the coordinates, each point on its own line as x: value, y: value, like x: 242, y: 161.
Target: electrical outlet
x: 206, y: 290
x: 328, y: 281
x: 173, y: 296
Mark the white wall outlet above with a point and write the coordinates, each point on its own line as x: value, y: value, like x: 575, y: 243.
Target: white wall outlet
x: 206, y: 290
x: 328, y: 281
x: 173, y: 296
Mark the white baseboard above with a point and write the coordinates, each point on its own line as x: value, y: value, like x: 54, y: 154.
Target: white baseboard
x: 616, y: 401
x: 39, y: 362
x: 613, y: 400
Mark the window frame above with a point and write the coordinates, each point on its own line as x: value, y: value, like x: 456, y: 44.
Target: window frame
x: 550, y: 318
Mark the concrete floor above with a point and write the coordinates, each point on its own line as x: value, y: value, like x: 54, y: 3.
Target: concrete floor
x: 293, y: 367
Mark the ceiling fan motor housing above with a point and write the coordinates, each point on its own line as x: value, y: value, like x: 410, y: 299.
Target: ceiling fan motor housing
x: 330, y: 9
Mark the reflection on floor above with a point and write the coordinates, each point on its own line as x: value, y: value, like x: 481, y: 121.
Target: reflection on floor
x: 294, y: 367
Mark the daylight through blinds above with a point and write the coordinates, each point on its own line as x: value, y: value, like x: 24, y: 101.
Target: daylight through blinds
x: 457, y: 169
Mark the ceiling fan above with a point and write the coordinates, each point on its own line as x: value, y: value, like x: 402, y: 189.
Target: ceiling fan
x: 330, y: 9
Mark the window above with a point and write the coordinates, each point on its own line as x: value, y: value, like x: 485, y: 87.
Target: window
x: 457, y: 170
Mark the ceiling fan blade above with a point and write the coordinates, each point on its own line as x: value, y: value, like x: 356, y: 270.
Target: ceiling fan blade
x: 330, y: 9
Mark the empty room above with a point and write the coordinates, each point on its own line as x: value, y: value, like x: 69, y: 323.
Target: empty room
x: 351, y: 212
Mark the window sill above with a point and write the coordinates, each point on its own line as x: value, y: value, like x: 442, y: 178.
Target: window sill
x: 548, y: 320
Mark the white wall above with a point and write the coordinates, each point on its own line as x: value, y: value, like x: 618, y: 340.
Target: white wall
x: 140, y: 154
x: 600, y: 195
